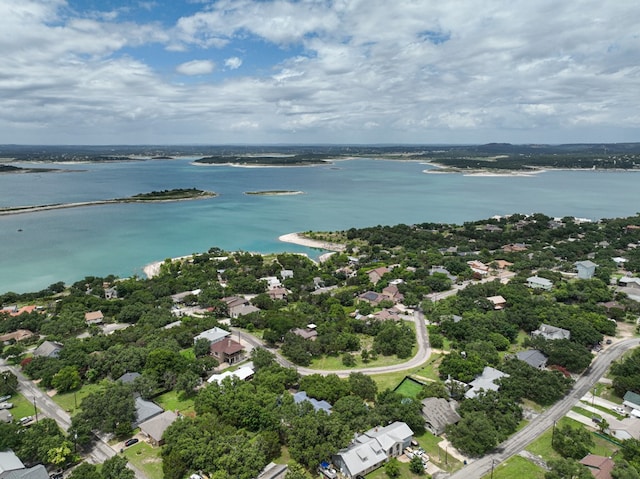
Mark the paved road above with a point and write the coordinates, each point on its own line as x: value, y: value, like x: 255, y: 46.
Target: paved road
x: 424, y: 351
x: 48, y: 408
x: 524, y: 437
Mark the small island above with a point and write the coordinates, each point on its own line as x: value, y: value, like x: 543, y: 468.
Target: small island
x: 178, y: 194
x: 274, y: 193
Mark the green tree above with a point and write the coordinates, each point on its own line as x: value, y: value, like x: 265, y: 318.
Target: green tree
x: 363, y: 386
x: 392, y: 467
x: 296, y: 471
x: 567, y: 469
x: 416, y: 466
x: 8, y: 383
x: 116, y: 468
x: 85, y: 471
x: 110, y: 410
x: 67, y: 379
x: 572, y: 442
x: 201, y: 347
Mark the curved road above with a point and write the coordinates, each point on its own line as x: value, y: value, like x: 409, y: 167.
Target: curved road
x: 424, y: 351
x: 524, y: 437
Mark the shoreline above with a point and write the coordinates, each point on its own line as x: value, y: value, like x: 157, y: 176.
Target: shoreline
x: 153, y: 269
x: 17, y: 210
x: 299, y: 239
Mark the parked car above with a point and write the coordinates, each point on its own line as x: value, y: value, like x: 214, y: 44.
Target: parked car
x: 25, y: 419
x: 131, y: 442
x: 6, y: 405
x: 5, y: 398
x: 596, y: 419
x: 620, y: 410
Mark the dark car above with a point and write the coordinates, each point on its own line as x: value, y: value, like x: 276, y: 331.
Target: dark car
x: 130, y: 442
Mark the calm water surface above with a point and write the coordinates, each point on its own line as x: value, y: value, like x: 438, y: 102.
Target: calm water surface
x: 68, y: 244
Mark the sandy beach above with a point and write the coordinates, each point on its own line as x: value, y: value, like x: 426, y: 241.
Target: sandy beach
x: 299, y: 239
x: 153, y: 269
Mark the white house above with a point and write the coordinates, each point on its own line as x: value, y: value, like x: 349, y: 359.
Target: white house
x: 586, y: 269
x: 372, y: 449
x: 213, y: 335
x: 536, y: 282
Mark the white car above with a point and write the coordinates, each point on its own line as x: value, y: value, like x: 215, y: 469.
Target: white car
x: 6, y: 405
x: 620, y: 410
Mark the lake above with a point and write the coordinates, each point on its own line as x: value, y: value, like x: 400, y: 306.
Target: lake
x: 67, y: 244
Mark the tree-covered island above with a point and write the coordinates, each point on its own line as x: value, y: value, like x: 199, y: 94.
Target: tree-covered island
x: 518, y: 309
x: 177, y: 194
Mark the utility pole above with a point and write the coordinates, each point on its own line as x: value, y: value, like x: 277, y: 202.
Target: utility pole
x: 492, y: 465
x: 35, y: 409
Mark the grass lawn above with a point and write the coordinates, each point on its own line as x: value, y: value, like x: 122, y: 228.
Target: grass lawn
x: 438, y: 456
x: 409, y: 388
x: 188, y: 353
x: 516, y: 467
x: 335, y: 362
x: 21, y: 406
x: 145, y: 458
x: 171, y: 402
x: 67, y: 401
x: 542, y: 445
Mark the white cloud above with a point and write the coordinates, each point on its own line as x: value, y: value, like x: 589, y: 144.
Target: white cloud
x: 372, y: 70
x: 196, y: 67
x: 233, y: 63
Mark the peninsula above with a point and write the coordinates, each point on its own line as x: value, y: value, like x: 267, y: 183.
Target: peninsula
x: 178, y: 194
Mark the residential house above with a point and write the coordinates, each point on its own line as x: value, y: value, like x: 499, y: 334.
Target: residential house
x: 629, y: 282
x: 586, y: 269
x: 243, y: 310
x: 213, y: 335
x: 15, y: 311
x: 129, y: 378
x: 619, y: 261
x: 599, y: 466
x: 502, y: 264
x: 155, y: 427
x: 376, y: 275
x: 11, y: 467
x: 372, y: 449
x: 533, y: 358
x: 274, y: 471
x: 318, y: 405
x: 627, y: 428
x: 179, y: 297
x: 278, y: 293
x: 18, y: 335
x: 514, y: 248
x: 386, y: 315
x: 227, y: 351
x: 272, y: 282
x: 438, y: 413
x: 478, y: 267
x: 551, y: 332
x: 392, y: 293
x: 48, y: 349
x: 536, y: 282
x: 443, y: 270
x: 110, y: 293
x: 492, y: 228
x: 632, y: 400
x: 238, y: 306
x: 286, y: 274
x: 372, y: 298
x: 93, y: 317
x: 243, y: 373
x: 145, y: 410
x: 485, y: 382
x: 498, y: 302
x: 306, y: 333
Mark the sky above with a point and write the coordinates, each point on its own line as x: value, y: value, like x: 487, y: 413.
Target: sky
x: 319, y: 71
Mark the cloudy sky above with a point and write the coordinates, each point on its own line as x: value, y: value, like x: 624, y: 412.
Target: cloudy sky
x: 319, y: 71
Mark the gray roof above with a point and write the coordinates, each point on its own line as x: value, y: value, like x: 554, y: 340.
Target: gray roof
x: 156, y: 426
x: 551, y: 332
x: 585, y: 264
x: 128, y: 378
x: 317, y: 405
x: 145, y: 410
x: 485, y: 382
x: 9, y: 461
x: 544, y: 282
x: 35, y: 472
x: 213, y: 335
x: 273, y: 471
x: 532, y: 357
x: 438, y: 414
x: 48, y: 349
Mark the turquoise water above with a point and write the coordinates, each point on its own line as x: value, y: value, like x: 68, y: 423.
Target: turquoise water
x: 68, y: 244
